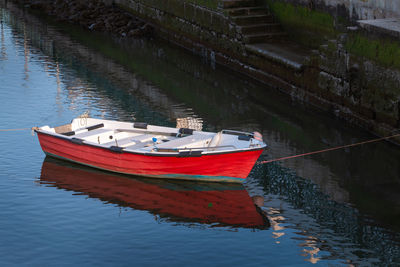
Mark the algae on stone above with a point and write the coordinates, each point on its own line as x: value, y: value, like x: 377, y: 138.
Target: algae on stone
x: 383, y: 51
x: 309, y: 27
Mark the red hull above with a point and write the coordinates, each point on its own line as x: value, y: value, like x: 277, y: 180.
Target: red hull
x: 229, y: 167
x: 193, y: 202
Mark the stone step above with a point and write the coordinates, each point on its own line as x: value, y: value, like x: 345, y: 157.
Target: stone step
x: 241, y: 11
x: 263, y: 37
x: 236, y: 3
x: 289, y: 54
x: 252, y: 19
x: 261, y: 28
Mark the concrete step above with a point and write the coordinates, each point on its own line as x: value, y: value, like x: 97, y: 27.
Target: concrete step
x: 263, y: 37
x: 242, y: 11
x: 261, y: 28
x: 236, y: 3
x: 289, y: 54
x: 252, y: 19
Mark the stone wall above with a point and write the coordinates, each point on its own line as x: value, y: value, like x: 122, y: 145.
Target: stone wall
x: 358, y: 70
x: 190, y: 20
x: 350, y: 73
x: 211, y: 33
x: 363, y: 87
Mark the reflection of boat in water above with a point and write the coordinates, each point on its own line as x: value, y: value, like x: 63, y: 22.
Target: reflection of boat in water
x: 182, y: 201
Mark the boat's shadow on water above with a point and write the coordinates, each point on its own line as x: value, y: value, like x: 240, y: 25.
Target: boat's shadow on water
x: 184, y: 202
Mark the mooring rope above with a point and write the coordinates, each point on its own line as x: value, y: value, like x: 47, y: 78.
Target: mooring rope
x: 20, y: 129
x: 271, y: 160
x: 12, y: 130
x: 329, y: 149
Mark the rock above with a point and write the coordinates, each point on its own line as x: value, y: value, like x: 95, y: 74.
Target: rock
x: 134, y: 33
x: 94, y: 15
x: 146, y: 29
x: 107, y: 26
x: 99, y: 27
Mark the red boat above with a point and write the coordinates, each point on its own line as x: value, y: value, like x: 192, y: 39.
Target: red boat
x: 217, y: 204
x: 154, y: 151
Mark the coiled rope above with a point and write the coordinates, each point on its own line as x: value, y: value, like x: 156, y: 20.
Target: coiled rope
x: 329, y: 149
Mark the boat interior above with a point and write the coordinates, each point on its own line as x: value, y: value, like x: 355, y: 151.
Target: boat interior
x: 141, y: 137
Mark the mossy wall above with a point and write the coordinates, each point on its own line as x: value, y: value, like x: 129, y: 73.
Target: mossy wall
x: 351, y: 73
x: 313, y: 26
x: 301, y: 16
x: 365, y: 87
x: 385, y: 51
x: 358, y: 70
x: 307, y: 26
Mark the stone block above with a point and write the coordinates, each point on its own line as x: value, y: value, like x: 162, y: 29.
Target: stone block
x: 333, y: 84
x: 189, y: 12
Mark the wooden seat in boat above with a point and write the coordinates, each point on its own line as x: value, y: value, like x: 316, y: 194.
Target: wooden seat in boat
x: 98, y: 136
x: 129, y: 141
x: 191, y: 141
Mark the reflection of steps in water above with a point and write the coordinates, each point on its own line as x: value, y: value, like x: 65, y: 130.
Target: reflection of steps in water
x: 180, y: 201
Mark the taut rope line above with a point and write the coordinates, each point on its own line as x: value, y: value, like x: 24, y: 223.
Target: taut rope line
x: 329, y: 149
x: 278, y: 159
x: 20, y: 129
x: 12, y: 130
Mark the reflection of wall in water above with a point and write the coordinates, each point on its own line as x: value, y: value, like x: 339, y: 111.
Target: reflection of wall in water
x: 310, y: 168
x: 46, y: 38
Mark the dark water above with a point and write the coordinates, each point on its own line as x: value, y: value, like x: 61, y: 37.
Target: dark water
x: 333, y: 209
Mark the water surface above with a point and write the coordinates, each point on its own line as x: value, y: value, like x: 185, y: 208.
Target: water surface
x: 332, y: 209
